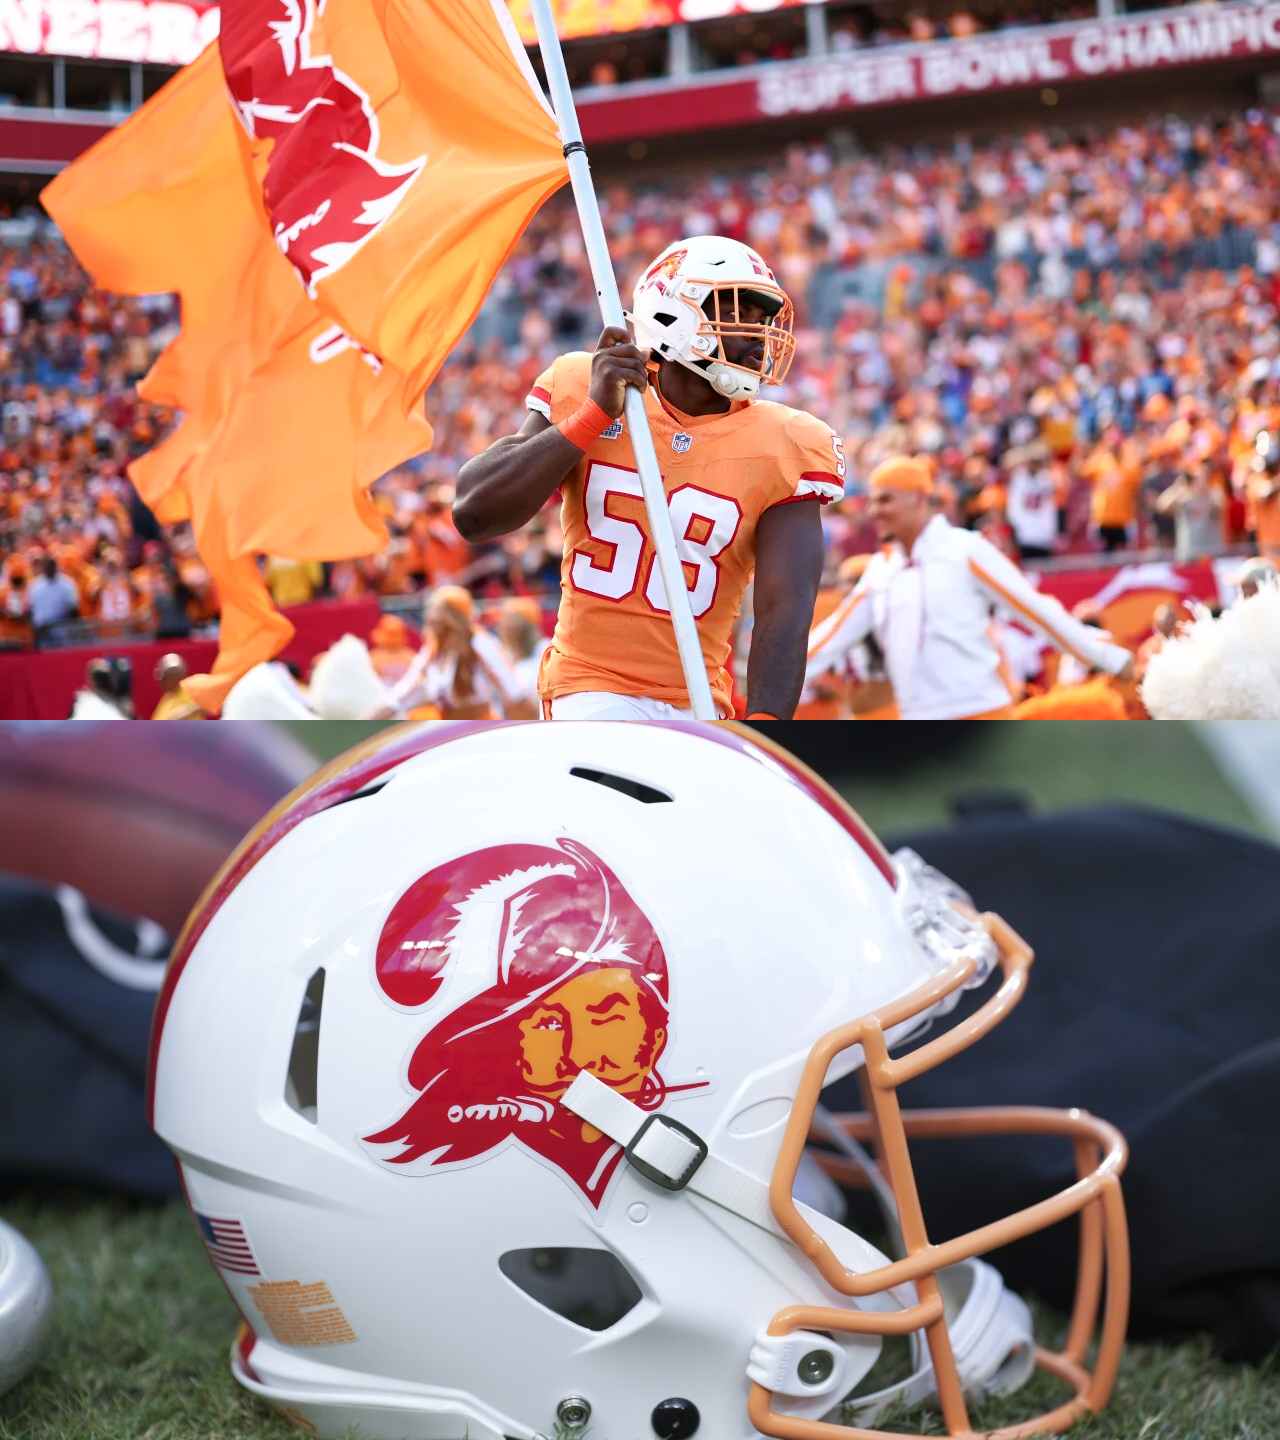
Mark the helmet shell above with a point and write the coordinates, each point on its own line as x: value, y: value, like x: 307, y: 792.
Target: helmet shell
x: 669, y: 316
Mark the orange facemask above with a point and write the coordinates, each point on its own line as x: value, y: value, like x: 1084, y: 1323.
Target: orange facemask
x: 1100, y: 1153
x: 775, y: 333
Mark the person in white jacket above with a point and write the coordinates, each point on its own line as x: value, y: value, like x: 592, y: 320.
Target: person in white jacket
x: 928, y: 596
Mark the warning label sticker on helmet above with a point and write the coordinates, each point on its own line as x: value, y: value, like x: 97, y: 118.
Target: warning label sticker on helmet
x: 298, y: 1314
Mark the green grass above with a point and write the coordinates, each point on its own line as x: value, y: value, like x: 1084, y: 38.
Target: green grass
x: 1058, y: 765
x: 143, y: 1325
x: 1164, y: 1392
x: 142, y: 1329
x: 327, y: 739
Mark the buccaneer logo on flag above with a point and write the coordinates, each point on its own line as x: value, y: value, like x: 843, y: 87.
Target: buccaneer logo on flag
x: 326, y: 189
x: 386, y: 156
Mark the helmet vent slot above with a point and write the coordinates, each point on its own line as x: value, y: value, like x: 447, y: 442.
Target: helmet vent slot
x: 637, y: 789
x: 300, y: 1086
x: 665, y: 318
x: 590, y: 1288
x: 361, y: 794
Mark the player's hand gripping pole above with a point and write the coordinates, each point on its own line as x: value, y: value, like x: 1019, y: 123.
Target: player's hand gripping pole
x: 655, y: 499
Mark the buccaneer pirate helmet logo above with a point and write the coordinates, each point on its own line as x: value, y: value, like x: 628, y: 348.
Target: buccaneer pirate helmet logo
x: 665, y: 269
x: 579, y: 982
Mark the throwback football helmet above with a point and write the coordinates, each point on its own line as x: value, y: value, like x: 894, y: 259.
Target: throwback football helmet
x: 490, y: 1059
x: 687, y: 303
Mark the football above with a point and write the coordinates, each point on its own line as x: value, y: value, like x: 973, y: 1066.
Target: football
x: 140, y: 817
x: 26, y: 1307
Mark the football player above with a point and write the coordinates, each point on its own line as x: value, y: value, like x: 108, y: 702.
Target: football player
x: 712, y: 326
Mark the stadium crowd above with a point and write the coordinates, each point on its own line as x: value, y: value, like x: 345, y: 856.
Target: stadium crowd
x: 771, y: 36
x: 946, y: 19
x: 1040, y: 322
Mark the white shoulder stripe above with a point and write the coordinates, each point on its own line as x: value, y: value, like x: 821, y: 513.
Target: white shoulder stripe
x: 824, y: 490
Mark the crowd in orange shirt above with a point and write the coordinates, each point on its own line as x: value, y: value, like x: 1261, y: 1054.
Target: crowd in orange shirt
x: 1033, y: 314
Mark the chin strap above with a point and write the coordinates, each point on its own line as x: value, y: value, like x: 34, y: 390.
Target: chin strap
x: 990, y: 1327
x: 668, y: 1153
x: 732, y: 384
x: 992, y: 1342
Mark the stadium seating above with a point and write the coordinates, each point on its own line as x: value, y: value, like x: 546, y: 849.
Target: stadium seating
x: 1096, y: 309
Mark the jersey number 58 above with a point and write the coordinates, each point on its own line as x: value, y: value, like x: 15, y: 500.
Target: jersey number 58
x: 704, y: 525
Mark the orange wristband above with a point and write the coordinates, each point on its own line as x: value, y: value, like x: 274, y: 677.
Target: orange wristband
x: 585, y: 426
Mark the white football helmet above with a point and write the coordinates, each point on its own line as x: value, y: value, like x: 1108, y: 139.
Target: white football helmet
x: 489, y: 1061
x: 679, y: 302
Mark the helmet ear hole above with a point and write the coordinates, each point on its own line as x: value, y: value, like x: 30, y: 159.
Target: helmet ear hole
x: 590, y: 1288
x: 301, y: 1084
x: 665, y: 318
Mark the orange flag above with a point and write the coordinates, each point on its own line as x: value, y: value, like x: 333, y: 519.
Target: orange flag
x: 332, y: 230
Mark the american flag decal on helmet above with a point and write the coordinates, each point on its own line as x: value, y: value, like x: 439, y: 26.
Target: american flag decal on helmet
x: 227, y: 1244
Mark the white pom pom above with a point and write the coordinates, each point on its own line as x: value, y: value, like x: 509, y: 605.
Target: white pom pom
x: 1223, y: 669
x: 344, y: 684
x: 267, y: 692
x: 89, y: 706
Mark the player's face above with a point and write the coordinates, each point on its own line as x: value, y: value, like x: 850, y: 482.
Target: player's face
x: 898, y: 514
x: 592, y: 1022
x: 738, y: 309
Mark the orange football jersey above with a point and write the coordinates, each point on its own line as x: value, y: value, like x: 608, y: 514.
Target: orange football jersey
x: 720, y: 473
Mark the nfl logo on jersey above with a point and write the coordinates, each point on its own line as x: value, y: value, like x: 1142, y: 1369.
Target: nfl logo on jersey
x: 681, y: 441
x: 613, y: 431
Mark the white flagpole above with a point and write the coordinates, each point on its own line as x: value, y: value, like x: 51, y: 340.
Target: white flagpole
x: 606, y: 283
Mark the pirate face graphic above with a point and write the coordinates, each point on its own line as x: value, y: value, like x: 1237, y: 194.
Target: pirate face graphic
x: 579, y: 983
x: 663, y: 271
x: 601, y: 1022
